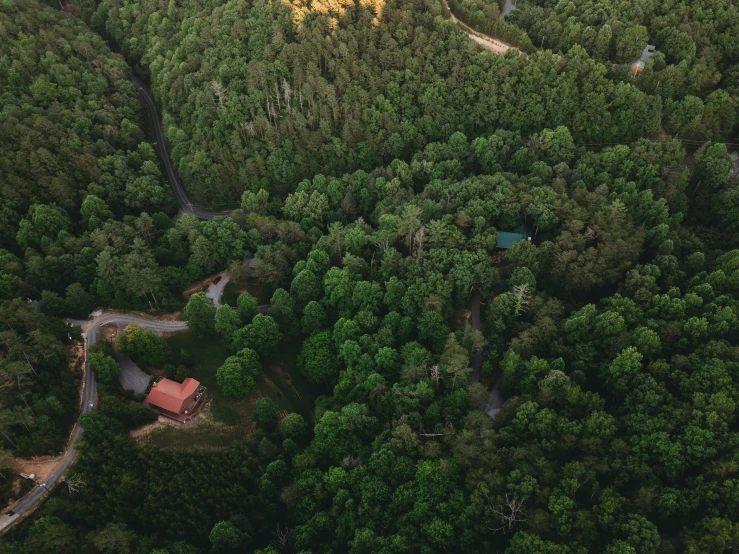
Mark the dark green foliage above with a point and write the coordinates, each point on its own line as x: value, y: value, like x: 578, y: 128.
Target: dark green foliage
x: 317, y: 360
x: 299, y: 130
x: 130, y: 415
x: 226, y: 538
x: 265, y: 414
x: 39, y: 399
x: 292, y: 426
x: 106, y: 368
x: 377, y: 154
x: 262, y: 335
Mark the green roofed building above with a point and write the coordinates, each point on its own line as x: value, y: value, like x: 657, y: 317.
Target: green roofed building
x: 506, y: 239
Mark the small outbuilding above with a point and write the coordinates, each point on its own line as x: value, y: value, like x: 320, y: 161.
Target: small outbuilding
x: 507, y: 239
x: 638, y: 66
x: 180, y: 401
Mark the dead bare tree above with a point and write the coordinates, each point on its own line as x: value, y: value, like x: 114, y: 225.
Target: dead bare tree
x: 28, y: 361
x: 75, y: 483
x: 418, y: 240
x: 521, y: 296
x: 220, y: 94
x: 510, y: 512
x: 286, y: 91
x: 589, y: 234
x: 382, y: 241
x: 283, y: 536
x: 277, y: 95
x: 434, y: 370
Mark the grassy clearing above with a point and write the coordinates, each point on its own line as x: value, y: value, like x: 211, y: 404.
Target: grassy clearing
x: 228, y: 419
x: 231, y: 293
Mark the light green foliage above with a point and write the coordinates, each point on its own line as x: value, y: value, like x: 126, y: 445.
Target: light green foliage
x: 227, y: 322
x: 341, y: 433
x: 43, y: 226
x: 141, y: 344
x: 247, y: 307
x: 217, y: 243
x: 105, y: 366
x: 293, y: 426
x: 200, y: 314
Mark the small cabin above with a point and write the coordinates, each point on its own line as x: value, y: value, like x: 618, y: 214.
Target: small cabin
x: 506, y: 239
x: 638, y: 66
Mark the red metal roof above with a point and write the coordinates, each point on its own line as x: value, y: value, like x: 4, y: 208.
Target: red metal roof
x: 170, y: 395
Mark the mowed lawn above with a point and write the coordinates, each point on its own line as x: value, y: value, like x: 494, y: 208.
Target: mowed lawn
x: 230, y: 418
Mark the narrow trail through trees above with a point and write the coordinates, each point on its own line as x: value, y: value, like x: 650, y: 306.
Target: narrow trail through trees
x: 495, y: 400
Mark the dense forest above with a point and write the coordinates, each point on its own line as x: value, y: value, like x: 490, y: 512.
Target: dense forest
x: 695, y: 69
x: 373, y: 156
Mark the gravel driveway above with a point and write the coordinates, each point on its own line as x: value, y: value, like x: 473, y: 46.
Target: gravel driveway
x: 132, y: 377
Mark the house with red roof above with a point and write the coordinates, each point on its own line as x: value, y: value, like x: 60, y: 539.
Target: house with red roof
x: 180, y: 401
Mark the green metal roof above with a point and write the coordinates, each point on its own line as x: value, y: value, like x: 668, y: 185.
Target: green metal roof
x: 507, y: 238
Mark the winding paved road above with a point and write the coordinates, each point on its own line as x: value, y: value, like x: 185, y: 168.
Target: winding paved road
x: 164, y: 154
x: 89, y: 402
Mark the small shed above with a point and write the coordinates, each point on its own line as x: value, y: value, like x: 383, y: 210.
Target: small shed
x: 638, y: 66
x: 506, y: 239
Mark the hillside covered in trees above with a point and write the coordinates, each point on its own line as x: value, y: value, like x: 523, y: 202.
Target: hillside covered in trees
x: 373, y: 155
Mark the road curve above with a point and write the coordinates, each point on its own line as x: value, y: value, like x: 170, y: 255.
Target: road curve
x: 89, y: 402
x: 164, y: 154
x: 489, y: 43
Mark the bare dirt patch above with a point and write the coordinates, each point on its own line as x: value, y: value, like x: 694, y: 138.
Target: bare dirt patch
x: 271, y: 385
x: 76, y: 356
x: 166, y: 316
x: 107, y: 332
x: 285, y: 378
x: 142, y: 433
x: 493, y: 45
x: 204, y: 430
x: 40, y: 466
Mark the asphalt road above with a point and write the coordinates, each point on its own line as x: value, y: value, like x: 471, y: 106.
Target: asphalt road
x: 89, y: 403
x: 164, y: 154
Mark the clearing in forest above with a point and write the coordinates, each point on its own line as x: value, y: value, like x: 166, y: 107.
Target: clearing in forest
x: 225, y: 419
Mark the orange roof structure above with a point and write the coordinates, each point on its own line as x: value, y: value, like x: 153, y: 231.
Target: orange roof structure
x: 172, y: 396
